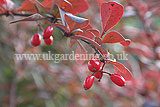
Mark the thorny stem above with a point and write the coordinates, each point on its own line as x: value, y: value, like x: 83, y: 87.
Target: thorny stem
x: 52, y: 19
x: 15, y: 14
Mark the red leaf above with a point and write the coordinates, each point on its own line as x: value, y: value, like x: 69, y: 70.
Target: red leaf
x: 75, y: 22
x: 27, y: 6
x: 79, y: 6
x: 122, y: 70
x: 88, y: 34
x: 126, y: 43
x: 111, y: 14
x: 47, y: 3
x: 95, y: 32
x: 77, y: 32
x: 80, y: 54
x: 40, y: 7
x: 71, y: 6
x: 65, y: 5
x: 87, y: 27
x: 115, y: 37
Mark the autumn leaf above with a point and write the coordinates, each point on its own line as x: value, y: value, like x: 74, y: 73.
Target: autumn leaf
x: 71, y: 6
x: 115, y: 37
x: 89, y: 26
x: 40, y: 7
x: 111, y: 13
x: 95, y: 32
x: 64, y: 5
x: 47, y: 3
x: 79, y: 6
x: 27, y: 6
x: 75, y: 22
x: 88, y: 34
x: 122, y: 70
x: 126, y: 43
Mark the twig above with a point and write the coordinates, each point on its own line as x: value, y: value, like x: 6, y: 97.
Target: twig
x: 15, y: 14
x: 100, y: 55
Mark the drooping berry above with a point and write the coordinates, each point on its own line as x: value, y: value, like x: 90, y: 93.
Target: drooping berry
x: 49, y: 41
x: 48, y: 32
x: 94, y: 64
x: 36, y: 39
x: 98, y: 75
x: 117, y: 79
x: 88, y: 82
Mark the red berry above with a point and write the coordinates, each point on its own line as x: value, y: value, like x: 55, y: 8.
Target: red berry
x: 49, y: 41
x: 48, y: 32
x: 98, y: 75
x: 118, y: 79
x: 36, y: 39
x: 88, y: 82
x: 94, y: 64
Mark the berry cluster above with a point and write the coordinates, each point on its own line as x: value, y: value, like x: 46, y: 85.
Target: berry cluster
x: 94, y: 65
x: 63, y: 16
x: 47, y: 36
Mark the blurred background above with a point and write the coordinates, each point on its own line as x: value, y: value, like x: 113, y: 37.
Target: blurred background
x: 48, y: 84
